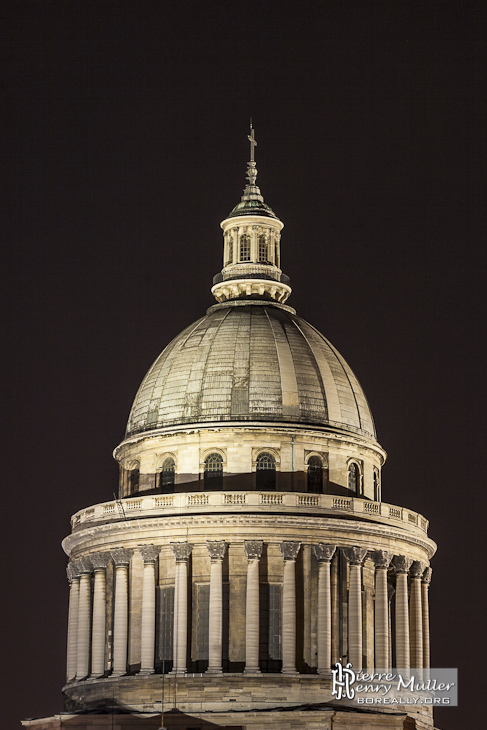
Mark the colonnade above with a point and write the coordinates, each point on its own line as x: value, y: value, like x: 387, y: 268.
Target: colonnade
x: 87, y: 639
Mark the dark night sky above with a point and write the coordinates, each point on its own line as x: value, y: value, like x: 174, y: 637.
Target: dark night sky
x: 124, y: 146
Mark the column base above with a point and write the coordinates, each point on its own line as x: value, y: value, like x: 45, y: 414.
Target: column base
x: 213, y: 670
x: 292, y: 672
x: 252, y: 670
x: 118, y: 674
x: 146, y: 672
x: 179, y: 672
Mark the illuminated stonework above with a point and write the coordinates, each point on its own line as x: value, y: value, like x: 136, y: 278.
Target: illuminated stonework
x: 250, y: 548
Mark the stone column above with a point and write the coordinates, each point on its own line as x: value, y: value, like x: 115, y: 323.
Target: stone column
x: 121, y: 558
x: 335, y: 610
x: 98, y: 630
x: 289, y: 552
x: 381, y: 560
x: 84, y: 568
x: 253, y: 551
x: 401, y: 566
x: 355, y: 556
x: 182, y: 551
x: 216, y: 550
x: 416, y: 618
x: 390, y: 593
x: 425, y: 583
x: 149, y: 553
x: 73, y: 579
x: 324, y: 554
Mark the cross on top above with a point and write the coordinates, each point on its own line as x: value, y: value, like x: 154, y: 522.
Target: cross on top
x: 252, y: 141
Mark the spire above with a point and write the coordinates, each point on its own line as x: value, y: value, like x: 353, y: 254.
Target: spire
x: 251, y: 247
x: 252, y: 201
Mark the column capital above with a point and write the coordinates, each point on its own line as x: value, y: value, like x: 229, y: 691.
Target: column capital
x: 216, y: 549
x: 324, y: 553
x: 417, y: 569
x: 380, y: 558
x: 149, y: 553
x: 83, y: 565
x: 354, y: 555
x: 121, y: 556
x: 253, y: 548
x: 100, y: 560
x: 427, y: 576
x: 181, y: 551
x: 401, y: 563
x: 71, y: 572
x: 289, y: 549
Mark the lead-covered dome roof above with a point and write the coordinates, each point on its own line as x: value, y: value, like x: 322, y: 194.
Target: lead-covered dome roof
x: 250, y: 361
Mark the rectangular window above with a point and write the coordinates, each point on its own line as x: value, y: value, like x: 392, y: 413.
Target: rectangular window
x: 230, y: 251
x: 245, y: 248
x: 165, y: 623
x: 262, y: 249
x: 203, y: 622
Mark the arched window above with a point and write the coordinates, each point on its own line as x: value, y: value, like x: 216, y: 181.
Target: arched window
x: 376, y: 486
x: 213, y: 471
x: 354, y: 478
x: 245, y: 248
x: 315, y: 475
x: 265, y: 471
x: 276, y: 254
x: 134, y: 477
x: 167, y: 474
x: 262, y: 248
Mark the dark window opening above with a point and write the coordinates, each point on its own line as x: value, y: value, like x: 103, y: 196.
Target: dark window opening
x: 265, y: 472
x: 134, y: 478
x: 168, y: 473
x: 315, y: 475
x: 353, y: 478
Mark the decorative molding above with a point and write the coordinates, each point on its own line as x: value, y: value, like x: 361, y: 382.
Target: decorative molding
x: 324, y: 553
x: 217, y: 549
x: 354, y: 555
x: 149, y: 553
x: 380, y: 558
x: 401, y: 563
x: 121, y: 556
x: 253, y: 548
x: 289, y: 549
x: 100, y: 560
x: 71, y: 572
x: 182, y: 551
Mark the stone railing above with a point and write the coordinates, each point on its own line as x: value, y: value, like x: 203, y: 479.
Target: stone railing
x: 287, y: 502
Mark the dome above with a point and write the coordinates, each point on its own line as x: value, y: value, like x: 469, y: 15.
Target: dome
x: 252, y: 207
x: 251, y: 361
